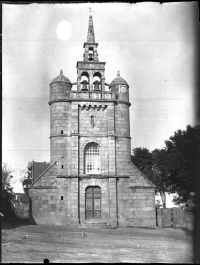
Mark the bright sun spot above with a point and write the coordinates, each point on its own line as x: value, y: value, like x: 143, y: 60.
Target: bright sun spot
x: 64, y: 30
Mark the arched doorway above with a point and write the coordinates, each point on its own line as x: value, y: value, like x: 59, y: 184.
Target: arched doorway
x: 93, y: 202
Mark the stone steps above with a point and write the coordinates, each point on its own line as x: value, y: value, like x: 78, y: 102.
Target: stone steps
x: 93, y: 225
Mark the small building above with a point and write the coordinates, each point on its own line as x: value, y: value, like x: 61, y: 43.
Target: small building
x: 91, y: 179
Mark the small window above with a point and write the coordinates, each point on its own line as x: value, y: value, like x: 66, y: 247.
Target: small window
x: 61, y: 131
x: 62, y: 166
x: 61, y: 198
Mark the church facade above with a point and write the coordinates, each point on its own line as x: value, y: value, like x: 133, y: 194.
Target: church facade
x: 91, y: 179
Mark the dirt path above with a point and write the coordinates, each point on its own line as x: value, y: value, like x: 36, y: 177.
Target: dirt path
x: 63, y: 244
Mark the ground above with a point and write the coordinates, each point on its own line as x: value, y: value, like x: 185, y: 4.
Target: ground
x: 69, y: 245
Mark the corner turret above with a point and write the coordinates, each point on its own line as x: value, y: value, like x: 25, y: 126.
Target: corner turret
x: 120, y: 87
x: 60, y: 87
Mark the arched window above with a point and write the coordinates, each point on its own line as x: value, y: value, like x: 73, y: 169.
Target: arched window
x: 91, y: 54
x: 93, y: 202
x: 84, y: 81
x: 92, y: 158
x: 97, y: 81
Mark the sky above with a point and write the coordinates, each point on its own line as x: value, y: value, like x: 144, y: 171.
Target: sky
x: 151, y: 44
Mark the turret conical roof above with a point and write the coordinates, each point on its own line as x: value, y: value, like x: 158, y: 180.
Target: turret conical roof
x: 118, y: 80
x: 61, y: 77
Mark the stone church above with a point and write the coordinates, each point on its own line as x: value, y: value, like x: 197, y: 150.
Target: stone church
x: 91, y: 180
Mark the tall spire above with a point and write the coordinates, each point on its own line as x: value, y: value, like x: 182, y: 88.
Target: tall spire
x: 90, y: 35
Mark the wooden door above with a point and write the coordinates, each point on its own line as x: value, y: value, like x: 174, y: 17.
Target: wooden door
x: 93, y: 203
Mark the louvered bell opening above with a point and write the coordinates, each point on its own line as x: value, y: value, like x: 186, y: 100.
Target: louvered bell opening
x: 84, y: 87
x: 90, y: 57
x: 96, y: 87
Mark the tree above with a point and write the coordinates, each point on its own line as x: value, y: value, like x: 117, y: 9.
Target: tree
x: 153, y: 165
x: 7, y: 193
x: 143, y: 159
x: 160, y: 175
x: 6, y: 177
x: 182, y: 155
x: 28, y: 178
x: 173, y: 168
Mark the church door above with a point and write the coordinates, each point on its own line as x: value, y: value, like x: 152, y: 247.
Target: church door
x: 93, y: 203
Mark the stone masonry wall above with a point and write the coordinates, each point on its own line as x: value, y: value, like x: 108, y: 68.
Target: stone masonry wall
x: 123, y: 155
x: 60, y: 116
x: 136, y: 204
x: 122, y: 124
x: 108, y: 200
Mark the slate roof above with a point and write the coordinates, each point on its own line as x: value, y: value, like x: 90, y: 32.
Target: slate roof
x: 38, y: 169
x: 118, y: 80
x: 61, y: 77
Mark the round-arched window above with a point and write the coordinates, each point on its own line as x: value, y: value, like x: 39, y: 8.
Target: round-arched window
x: 92, y: 158
x: 84, y: 81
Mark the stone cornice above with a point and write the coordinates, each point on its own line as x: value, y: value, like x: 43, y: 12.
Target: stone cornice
x: 124, y: 102
x: 42, y: 187
x: 58, y: 100
x: 83, y: 100
x: 90, y: 62
x: 88, y: 135
x: 141, y: 187
x: 93, y: 176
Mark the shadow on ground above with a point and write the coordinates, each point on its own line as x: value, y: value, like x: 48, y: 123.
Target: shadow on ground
x: 10, y: 224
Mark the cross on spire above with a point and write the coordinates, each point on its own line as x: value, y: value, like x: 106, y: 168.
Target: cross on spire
x: 90, y: 11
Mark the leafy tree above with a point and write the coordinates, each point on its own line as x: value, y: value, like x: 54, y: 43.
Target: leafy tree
x: 7, y: 193
x: 182, y: 155
x: 143, y: 159
x: 28, y: 179
x: 153, y: 165
x: 6, y: 177
x: 173, y: 168
x: 160, y: 175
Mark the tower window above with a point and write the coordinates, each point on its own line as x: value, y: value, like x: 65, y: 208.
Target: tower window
x: 92, y: 159
x: 61, y: 131
x: 62, y: 166
x: 84, y: 81
x: 61, y: 198
x: 97, y: 81
x: 91, y: 54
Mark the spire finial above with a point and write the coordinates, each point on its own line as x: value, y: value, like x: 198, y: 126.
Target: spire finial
x: 118, y: 73
x: 61, y: 72
x: 90, y: 11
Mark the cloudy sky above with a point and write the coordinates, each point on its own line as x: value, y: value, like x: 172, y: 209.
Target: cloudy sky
x: 152, y: 45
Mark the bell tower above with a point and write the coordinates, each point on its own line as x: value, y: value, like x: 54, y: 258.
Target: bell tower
x: 91, y: 179
x: 90, y: 72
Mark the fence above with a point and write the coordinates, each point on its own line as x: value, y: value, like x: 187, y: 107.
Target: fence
x: 174, y: 217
